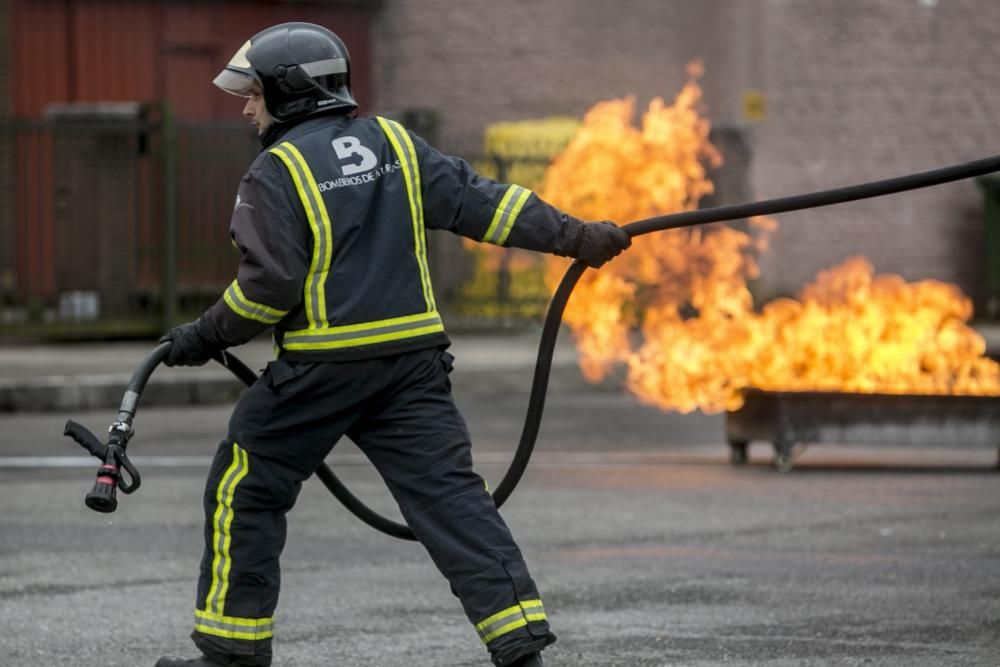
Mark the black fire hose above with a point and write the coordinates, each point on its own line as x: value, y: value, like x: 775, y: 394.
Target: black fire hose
x: 118, y: 473
x: 102, y: 496
x: 553, y: 318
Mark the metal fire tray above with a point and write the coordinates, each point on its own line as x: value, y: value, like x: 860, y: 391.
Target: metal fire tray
x: 790, y: 418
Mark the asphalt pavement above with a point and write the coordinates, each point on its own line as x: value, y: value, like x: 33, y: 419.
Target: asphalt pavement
x: 649, y: 548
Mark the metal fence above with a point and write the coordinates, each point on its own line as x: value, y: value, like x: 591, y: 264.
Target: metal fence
x: 113, y: 223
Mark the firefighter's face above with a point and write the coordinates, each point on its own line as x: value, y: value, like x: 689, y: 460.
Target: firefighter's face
x: 255, y: 111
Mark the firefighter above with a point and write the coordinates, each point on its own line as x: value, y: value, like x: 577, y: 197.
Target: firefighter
x: 329, y: 222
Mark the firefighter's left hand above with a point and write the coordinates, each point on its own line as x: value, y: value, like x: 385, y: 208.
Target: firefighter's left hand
x: 189, y: 347
x: 601, y: 242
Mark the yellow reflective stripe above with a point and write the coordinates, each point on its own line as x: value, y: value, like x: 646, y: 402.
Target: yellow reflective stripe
x: 228, y: 561
x: 233, y: 620
x: 327, y: 251
x: 501, y: 623
x: 518, y: 205
x: 232, y: 627
x: 365, y: 333
x: 510, y: 619
x: 319, y: 222
x: 516, y: 609
x: 312, y: 303
x: 419, y: 232
x: 365, y: 326
x: 368, y: 340
x: 222, y: 522
x: 519, y: 623
x: 403, y: 146
x: 244, y: 307
x: 538, y: 615
x: 506, y: 214
x: 501, y: 209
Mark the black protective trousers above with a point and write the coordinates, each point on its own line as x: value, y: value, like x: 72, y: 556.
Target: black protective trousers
x: 400, y: 412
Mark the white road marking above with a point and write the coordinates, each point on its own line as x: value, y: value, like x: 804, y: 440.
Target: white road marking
x: 485, y: 458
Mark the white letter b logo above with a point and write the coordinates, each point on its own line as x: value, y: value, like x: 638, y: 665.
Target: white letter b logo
x: 346, y: 148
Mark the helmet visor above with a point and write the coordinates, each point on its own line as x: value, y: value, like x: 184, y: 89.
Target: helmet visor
x: 236, y: 78
x: 235, y: 83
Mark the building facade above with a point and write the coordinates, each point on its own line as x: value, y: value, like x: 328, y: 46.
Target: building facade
x: 819, y: 93
x: 854, y: 90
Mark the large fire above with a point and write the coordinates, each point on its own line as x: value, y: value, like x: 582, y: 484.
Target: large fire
x: 676, y: 309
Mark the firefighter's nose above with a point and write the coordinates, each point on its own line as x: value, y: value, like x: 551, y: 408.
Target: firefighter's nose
x: 248, y: 109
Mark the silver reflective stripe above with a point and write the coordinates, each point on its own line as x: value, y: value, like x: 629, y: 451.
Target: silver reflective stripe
x: 407, y: 155
x: 506, y: 214
x: 233, y: 627
x: 513, y: 615
x: 533, y: 610
x: 324, y: 67
x: 222, y: 522
x: 258, y: 627
x: 249, y: 309
x: 510, y: 619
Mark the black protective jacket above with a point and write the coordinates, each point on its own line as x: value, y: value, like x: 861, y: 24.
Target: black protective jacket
x: 329, y: 221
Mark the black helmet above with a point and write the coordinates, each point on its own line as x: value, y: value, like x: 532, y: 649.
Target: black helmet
x: 302, y: 69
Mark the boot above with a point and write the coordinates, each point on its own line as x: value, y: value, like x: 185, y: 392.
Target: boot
x: 533, y: 660
x: 203, y: 661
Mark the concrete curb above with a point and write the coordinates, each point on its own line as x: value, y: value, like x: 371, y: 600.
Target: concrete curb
x: 69, y: 393
x: 498, y: 365
x: 92, y: 392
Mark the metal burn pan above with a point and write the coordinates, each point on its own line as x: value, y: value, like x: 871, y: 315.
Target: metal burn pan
x: 790, y: 418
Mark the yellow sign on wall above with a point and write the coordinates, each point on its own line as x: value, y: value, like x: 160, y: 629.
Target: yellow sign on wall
x: 754, y: 105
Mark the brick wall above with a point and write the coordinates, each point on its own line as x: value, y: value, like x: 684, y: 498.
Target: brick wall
x: 864, y: 89
x: 855, y: 89
x: 480, y: 61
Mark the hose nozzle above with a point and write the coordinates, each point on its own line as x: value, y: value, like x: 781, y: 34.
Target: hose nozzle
x: 103, y: 496
x: 116, y: 471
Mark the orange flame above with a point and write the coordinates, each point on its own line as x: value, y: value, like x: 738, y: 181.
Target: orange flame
x: 685, y: 292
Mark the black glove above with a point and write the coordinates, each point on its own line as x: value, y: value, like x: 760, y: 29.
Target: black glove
x: 599, y: 242
x: 189, y: 347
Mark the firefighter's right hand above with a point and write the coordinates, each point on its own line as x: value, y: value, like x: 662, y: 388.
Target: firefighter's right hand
x: 189, y: 347
x: 599, y: 242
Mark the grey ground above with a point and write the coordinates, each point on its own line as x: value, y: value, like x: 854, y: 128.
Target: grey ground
x: 649, y: 548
